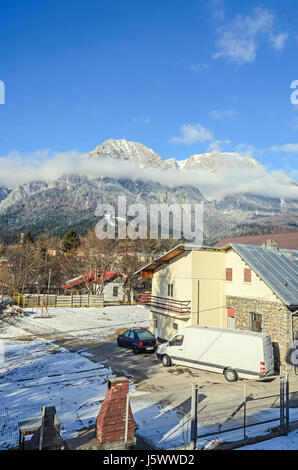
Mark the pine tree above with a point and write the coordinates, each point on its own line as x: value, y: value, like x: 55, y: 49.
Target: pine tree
x: 27, y: 238
x: 70, y: 241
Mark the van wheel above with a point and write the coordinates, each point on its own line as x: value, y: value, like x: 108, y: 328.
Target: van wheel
x: 166, y: 360
x: 230, y: 375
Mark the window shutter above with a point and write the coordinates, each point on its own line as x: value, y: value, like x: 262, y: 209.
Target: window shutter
x: 247, y: 275
x: 229, y: 274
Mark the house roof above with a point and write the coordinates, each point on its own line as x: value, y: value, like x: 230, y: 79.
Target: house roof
x: 277, y: 267
x: 287, y: 240
x: 169, y: 255
x: 91, y: 276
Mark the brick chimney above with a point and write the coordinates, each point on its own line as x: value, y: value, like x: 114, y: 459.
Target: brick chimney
x: 110, y: 422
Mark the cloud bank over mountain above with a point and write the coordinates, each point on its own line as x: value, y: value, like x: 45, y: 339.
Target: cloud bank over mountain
x: 216, y: 174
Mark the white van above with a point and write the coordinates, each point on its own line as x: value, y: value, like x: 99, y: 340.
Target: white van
x: 235, y: 353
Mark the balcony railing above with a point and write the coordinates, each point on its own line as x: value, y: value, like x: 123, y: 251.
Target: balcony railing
x: 180, y: 307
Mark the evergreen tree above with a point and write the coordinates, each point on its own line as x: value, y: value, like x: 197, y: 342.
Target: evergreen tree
x: 27, y: 238
x: 70, y: 241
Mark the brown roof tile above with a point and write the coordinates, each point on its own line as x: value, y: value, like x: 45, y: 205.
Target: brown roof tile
x: 287, y: 240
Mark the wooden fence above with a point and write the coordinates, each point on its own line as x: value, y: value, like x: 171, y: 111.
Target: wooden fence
x: 51, y: 300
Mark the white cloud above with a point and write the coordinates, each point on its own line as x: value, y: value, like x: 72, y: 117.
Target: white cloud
x: 198, y: 67
x: 217, y: 9
x: 286, y: 148
x: 217, y: 145
x: 192, y: 133
x: 46, y: 166
x: 142, y: 118
x: 222, y: 114
x: 279, y: 41
x: 238, y: 40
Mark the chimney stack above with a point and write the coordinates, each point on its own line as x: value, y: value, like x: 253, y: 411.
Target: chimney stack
x: 111, y: 427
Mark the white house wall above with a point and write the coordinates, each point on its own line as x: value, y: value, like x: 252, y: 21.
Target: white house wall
x: 256, y: 289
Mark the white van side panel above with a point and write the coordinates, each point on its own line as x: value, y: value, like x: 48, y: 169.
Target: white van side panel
x: 211, y: 350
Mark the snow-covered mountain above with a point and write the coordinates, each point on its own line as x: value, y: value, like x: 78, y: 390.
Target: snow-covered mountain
x: 146, y: 158
x: 71, y: 200
x: 123, y: 150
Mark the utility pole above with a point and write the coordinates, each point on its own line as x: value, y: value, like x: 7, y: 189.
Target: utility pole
x: 49, y: 280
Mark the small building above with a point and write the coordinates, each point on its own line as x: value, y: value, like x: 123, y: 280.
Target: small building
x: 246, y: 287
x: 112, y: 289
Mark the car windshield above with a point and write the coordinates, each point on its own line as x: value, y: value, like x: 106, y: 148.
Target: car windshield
x: 145, y: 334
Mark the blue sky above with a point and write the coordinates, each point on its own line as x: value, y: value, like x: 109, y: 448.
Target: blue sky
x: 180, y: 77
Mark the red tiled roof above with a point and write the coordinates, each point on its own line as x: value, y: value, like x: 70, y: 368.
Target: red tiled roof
x: 288, y: 240
x: 90, y: 276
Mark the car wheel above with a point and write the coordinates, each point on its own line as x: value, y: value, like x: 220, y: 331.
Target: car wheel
x: 166, y: 360
x: 118, y: 342
x: 230, y: 375
x: 135, y: 350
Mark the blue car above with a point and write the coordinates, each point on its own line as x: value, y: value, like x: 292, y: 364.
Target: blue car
x: 139, y: 340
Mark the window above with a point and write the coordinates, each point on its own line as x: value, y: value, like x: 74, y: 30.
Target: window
x: 115, y: 291
x: 145, y: 335
x: 170, y: 290
x: 126, y: 333
x: 229, y: 274
x: 177, y: 340
x: 131, y: 334
x: 175, y: 326
x: 256, y: 322
x: 247, y: 275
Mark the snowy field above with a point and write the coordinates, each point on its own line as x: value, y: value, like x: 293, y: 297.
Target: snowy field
x: 35, y: 372
x: 86, y: 322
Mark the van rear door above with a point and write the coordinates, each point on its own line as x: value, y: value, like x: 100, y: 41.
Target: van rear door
x: 268, y: 356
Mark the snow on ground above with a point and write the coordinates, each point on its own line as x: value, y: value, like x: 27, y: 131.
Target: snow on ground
x: 84, y: 322
x: 167, y: 428
x: 36, y: 372
x: 289, y: 442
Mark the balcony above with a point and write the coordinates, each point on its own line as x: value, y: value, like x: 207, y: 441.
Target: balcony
x: 165, y: 305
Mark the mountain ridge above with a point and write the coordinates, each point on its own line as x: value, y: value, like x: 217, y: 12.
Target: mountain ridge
x: 71, y: 199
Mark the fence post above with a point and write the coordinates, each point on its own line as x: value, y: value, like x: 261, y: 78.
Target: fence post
x: 244, y: 411
x: 282, y: 403
x: 287, y: 403
x: 42, y: 427
x: 194, y: 418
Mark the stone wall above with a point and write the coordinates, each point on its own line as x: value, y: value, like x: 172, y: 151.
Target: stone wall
x: 276, y: 322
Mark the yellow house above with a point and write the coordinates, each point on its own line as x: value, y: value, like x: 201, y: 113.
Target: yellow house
x: 235, y: 286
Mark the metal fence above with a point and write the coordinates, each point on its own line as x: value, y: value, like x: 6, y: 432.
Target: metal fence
x: 26, y: 429
x: 205, y: 417
x: 244, y: 415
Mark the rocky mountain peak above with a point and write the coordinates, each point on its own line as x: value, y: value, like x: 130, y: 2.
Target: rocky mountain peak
x: 122, y: 149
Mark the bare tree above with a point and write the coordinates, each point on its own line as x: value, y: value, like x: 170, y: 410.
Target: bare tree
x: 91, y: 261
x: 22, y: 268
